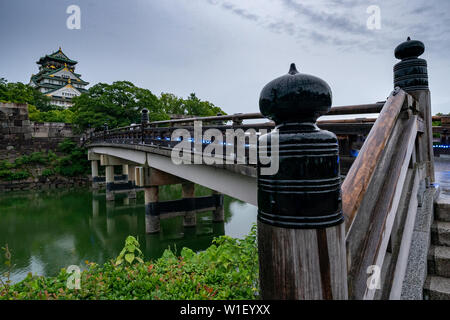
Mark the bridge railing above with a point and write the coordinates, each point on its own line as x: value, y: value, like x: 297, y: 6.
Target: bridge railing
x: 350, y: 132
x: 373, y: 189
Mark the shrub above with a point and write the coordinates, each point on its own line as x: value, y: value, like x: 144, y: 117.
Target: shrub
x: 48, y: 172
x: 228, y: 269
x: 18, y: 175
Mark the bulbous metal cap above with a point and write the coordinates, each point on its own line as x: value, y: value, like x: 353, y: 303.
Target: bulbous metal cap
x: 295, y: 97
x: 411, y: 73
x: 409, y: 49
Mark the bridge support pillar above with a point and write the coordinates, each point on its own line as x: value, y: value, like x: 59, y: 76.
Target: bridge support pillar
x: 219, y: 213
x: 132, y: 181
x: 152, y: 218
x: 109, y: 172
x: 301, y: 235
x: 94, y: 173
x: 188, y: 192
x: 125, y: 172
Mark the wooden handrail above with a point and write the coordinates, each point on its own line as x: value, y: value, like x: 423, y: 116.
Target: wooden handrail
x: 338, y: 110
x: 360, y: 173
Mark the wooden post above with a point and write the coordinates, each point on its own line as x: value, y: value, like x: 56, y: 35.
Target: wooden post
x: 411, y: 75
x: 109, y: 173
x: 188, y: 193
x: 152, y: 219
x: 301, y: 237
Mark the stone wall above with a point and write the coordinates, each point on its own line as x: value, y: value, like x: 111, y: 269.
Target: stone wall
x: 19, y: 136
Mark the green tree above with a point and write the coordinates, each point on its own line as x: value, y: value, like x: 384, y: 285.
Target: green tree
x: 118, y: 104
x: 18, y: 92
x: 191, y: 106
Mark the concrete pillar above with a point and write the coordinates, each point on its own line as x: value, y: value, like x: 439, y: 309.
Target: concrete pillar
x: 219, y: 213
x: 132, y: 181
x: 188, y: 192
x: 125, y: 171
x: 109, y: 172
x: 94, y: 173
x: 152, y: 223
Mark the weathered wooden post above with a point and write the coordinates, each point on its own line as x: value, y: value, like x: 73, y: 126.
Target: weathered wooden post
x: 301, y: 237
x: 105, y: 131
x: 152, y: 218
x: 144, y: 123
x: 188, y: 193
x: 411, y: 74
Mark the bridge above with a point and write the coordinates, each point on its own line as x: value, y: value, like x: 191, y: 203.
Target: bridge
x: 345, y: 206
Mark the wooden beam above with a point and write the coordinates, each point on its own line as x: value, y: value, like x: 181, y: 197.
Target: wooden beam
x: 360, y: 174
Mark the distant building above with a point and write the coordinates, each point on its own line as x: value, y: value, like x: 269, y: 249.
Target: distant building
x: 57, y: 79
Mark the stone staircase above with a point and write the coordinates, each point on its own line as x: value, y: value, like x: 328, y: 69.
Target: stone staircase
x: 437, y: 284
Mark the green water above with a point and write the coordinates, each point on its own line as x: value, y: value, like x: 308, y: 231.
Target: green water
x: 47, y: 231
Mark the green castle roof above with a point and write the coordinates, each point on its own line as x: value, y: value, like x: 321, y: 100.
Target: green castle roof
x: 58, y: 56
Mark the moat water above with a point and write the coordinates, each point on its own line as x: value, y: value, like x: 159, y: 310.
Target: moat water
x: 47, y: 231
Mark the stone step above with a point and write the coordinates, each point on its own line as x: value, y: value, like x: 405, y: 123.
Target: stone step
x: 439, y: 261
x: 442, y: 207
x: 436, y: 288
x: 440, y: 233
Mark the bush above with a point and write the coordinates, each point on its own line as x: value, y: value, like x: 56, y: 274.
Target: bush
x: 18, y: 175
x: 228, y: 269
x: 48, y: 173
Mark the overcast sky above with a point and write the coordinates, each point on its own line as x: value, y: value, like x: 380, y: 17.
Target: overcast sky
x: 227, y: 50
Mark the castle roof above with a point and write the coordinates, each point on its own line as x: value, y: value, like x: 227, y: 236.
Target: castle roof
x: 56, y: 56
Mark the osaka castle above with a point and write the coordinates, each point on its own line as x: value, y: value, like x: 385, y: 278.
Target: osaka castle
x: 57, y: 79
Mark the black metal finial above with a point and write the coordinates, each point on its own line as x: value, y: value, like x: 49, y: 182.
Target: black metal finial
x: 411, y: 72
x: 293, y: 69
x: 144, y: 116
x: 409, y: 49
x: 295, y: 97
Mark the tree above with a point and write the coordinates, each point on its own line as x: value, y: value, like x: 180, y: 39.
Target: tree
x: 118, y: 104
x: 17, y: 92
x: 191, y: 106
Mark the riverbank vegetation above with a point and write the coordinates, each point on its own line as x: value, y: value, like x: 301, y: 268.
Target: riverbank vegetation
x: 71, y: 161
x: 228, y: 269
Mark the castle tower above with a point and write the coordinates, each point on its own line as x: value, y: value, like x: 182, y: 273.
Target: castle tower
x: 57, y: 79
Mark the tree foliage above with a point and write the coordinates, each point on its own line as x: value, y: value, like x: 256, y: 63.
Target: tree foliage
x: 17, y: 92
x: 118, y: 104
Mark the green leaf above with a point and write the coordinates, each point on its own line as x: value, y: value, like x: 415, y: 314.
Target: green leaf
x: 129, y: 257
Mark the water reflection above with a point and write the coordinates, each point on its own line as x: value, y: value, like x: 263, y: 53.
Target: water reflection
x: 47, y: 231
